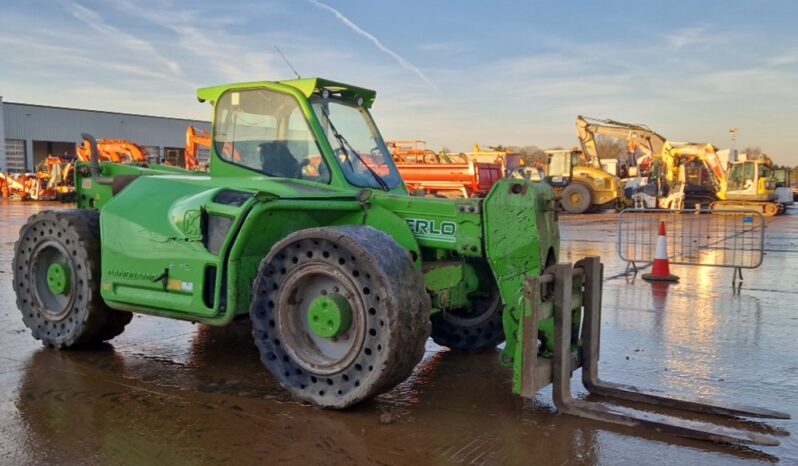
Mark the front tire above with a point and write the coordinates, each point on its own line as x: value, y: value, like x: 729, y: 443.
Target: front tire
x: 57, y: 280
x: 576, y: 198
x: 339, y: 314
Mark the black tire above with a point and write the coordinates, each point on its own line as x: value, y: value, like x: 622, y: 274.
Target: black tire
x: 389, y: 314
x: 67, y: 197
x: 478, y: 330
x: 576, y: 198
x: 76, y: 317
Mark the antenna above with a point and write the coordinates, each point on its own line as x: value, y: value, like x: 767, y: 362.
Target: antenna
x: 286, y: 61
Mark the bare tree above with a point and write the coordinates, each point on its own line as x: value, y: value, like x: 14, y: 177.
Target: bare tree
x: 532, y: 155
x: 610, y: 148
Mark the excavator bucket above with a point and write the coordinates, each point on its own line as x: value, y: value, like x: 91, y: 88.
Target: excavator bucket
x: 569, y: 292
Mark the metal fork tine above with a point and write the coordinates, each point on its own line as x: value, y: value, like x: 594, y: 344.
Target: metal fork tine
x: 679, y: 427
x: 562, y: 367
x: 590, y: 352
x: 696, y: 405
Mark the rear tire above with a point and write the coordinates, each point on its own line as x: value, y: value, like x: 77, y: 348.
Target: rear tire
x: 475, y: 331
x: 576, y: 198
x: 57, y: 280
x: 372, y: 280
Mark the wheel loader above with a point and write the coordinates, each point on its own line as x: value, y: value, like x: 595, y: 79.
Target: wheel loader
x: 304, y: 226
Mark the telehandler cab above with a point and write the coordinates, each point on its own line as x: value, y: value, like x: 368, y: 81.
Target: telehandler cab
x: 304, y: 225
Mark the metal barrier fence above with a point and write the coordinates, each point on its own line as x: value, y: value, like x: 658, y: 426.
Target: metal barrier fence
x: 695, y: 237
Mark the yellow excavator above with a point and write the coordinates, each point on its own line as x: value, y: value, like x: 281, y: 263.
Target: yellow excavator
x: 692, y: 175
x: 751, y: 185
x: 678, y: 174
x: 640, y: 139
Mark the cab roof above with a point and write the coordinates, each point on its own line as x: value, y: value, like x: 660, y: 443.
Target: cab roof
x: 307, y: 87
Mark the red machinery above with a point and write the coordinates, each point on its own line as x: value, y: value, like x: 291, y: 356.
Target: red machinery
x: 438, y: 173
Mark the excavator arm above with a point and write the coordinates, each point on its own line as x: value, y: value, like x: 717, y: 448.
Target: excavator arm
x: 194, y: 140
x: 636, y: 136
x: 114, y: 150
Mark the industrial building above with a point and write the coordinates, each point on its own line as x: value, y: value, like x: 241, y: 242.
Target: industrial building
x: 29, y: 133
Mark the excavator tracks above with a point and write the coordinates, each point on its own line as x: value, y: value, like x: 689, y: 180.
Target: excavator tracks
x: 768, y: 209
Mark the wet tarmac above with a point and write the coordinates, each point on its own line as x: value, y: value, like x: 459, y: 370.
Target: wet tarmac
x: 170, y: 392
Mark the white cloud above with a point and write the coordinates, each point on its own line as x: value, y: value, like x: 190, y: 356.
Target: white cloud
x: 92, y: 19
x: 357, y: 29
x: 232, y: 57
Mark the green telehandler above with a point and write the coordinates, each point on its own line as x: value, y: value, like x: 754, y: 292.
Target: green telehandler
x: 304, y: 226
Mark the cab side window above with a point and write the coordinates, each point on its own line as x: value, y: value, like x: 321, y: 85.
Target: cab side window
x: 267, y: 131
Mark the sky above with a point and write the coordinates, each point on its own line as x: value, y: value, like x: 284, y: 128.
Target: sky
x: 452, y: 73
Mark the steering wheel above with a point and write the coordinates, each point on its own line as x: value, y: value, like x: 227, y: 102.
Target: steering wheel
x: 342, y: 155
x: 300, y: 168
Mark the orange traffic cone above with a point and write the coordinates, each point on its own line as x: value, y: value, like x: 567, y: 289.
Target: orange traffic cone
x: 660, y: 270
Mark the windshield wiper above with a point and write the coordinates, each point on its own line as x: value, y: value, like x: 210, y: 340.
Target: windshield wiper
x: 347, y: 148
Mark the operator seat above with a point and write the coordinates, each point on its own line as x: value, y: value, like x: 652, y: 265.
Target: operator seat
x: 277, y: 160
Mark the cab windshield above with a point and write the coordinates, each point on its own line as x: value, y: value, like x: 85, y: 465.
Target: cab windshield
x: 357, y: 144
x: 741, y: 176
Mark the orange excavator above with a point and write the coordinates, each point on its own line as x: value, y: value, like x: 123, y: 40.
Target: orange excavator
x: 116, y: 151
x: 426, y: 171
x: 52, y: 178
x: 194, y: 140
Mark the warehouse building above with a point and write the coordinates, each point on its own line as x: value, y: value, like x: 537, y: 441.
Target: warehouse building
x: 29, y: 133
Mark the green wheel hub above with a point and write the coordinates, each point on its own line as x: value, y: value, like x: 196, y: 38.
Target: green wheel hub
x: 58, y: 278
x: 329, y: 315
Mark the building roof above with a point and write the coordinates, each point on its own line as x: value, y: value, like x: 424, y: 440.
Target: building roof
x: 5, y: 102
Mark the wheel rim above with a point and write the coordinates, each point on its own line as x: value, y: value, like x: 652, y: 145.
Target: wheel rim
x: 329, y: 315
x: 58, y: 278
x: 320, y: 347
x: 575, y: 199
x: 51, y: 273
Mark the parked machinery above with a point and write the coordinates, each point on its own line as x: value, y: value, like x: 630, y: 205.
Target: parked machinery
x: 691, y: 170
x: 427, y: 172
x: 115, y: 150
x: 751, y: 185
x: 508, y: 159
x: 580, y: 183
x: 194, y: 140
x: 640, y: 139
x: 18, y: 185
x: 678, y: 174
x: 342, y: 273
x: 51, y: 180
x: 785, y: 191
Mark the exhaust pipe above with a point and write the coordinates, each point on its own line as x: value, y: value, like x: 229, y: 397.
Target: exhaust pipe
x: 94, y: 164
